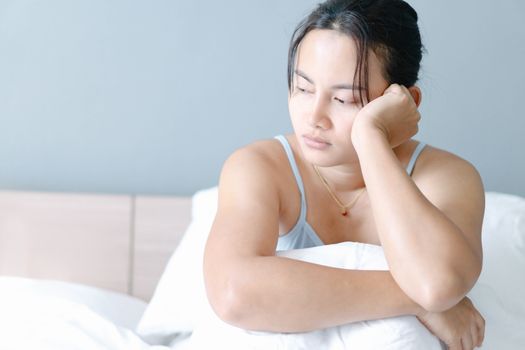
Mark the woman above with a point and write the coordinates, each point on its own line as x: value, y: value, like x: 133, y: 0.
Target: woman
x: 349, y: 173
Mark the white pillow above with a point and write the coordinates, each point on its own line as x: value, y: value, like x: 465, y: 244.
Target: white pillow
x: 180, y: 298
x: 120, y: 309
x: 394, y: 333
x: 500, y: 290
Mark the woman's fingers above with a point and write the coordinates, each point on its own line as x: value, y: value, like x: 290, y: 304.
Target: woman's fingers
x: 392, y: 88
x: 456, y: 345
x: 481, y: 329
x: 474, y: 332
x: 466, y: 342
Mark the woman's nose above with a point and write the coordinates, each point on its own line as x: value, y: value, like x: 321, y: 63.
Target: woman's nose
x: 318, y: 115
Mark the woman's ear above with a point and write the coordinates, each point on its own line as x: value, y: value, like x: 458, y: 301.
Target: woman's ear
x: 415, y: 91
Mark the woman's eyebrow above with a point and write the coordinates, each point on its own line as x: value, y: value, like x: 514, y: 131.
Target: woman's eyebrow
x: 335, y: 87
x: 303, y: 75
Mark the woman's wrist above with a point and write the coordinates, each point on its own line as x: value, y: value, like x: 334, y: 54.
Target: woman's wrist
x: 365, y: 132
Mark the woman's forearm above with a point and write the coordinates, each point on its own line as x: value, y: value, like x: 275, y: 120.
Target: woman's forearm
x: 285, y: 295
x: 421, y: 244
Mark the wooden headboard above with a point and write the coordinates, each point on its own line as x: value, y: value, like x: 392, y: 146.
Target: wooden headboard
x: 117, y: 242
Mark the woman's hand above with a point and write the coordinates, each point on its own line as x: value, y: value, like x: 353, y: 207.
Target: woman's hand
x: 394, y: 113
x: 461, y: 327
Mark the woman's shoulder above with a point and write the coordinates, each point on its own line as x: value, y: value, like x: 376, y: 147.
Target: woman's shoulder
x: 266, y: 153
x: 434, y: 160
x: 259, y: 159
x: 254, y: 172
x: 441, y: 173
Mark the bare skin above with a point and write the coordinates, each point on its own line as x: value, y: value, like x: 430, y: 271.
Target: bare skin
x: 429, y: 225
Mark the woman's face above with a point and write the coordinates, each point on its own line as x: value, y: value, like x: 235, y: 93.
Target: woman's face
x: 322, y: 104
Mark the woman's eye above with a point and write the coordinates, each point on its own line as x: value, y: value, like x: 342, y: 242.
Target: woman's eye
x: 344, y: 102
x: 303, y: 90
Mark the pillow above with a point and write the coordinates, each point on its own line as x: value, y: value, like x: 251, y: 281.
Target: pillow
x: 121, y: 309
x: 498, y: 293
x: 180, y: 295
x: 393, y: 333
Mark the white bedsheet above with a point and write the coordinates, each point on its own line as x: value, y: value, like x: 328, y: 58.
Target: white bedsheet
x: 61, y: 324
x: 54, y: 315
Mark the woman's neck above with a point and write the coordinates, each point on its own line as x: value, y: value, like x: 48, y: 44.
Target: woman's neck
x: 343, y: 179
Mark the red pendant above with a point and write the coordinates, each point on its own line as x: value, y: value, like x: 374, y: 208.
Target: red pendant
x: 344, y: 213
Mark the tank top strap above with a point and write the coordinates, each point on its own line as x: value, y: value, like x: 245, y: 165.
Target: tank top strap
x: 415, y: 155
x: 296, y: 173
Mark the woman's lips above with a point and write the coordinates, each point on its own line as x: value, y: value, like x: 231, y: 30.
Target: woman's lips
x: 315, y: 143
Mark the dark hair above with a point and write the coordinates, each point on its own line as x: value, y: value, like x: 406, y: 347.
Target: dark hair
x: 388, y: 27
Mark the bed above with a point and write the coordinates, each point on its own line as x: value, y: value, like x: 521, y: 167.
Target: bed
x: 96, y: 271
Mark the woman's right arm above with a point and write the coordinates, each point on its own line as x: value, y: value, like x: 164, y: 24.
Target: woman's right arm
x: 251, y: 288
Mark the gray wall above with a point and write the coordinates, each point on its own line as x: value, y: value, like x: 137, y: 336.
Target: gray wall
x: 150, y: 97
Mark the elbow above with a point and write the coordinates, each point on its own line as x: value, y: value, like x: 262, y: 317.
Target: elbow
x: 229, y: 290
x: 226, y: 303
x: 443, y: 291
x: 441, y: 295
x: 439, y: 300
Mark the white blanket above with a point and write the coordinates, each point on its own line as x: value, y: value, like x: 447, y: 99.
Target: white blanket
x: 53, y: 315
x: 396, y: 333
x: 63, y: 325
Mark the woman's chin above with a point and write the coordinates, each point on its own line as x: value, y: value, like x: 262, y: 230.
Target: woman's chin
x: 322, y: 159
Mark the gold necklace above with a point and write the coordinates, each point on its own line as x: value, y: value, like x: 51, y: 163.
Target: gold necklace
x: 344, y: 208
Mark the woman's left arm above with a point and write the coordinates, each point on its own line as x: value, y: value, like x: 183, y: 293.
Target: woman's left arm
x: 430, y: 233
